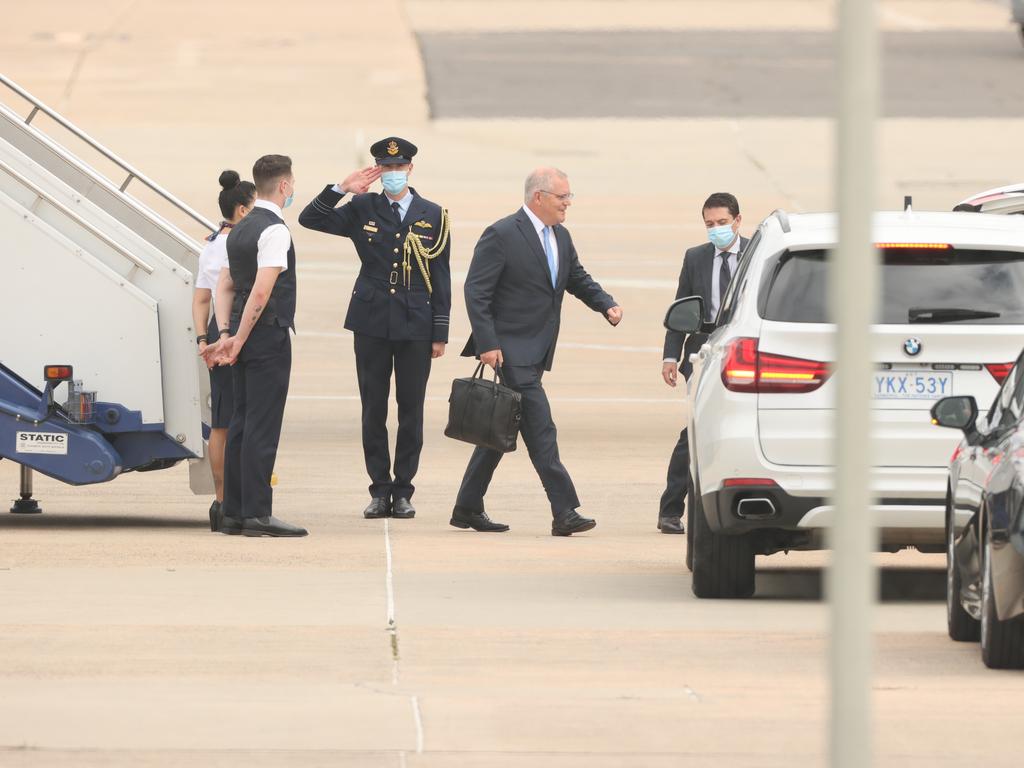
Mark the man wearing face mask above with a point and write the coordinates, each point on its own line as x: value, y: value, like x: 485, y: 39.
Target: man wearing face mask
x: 255, y: 307
x: 399, y: 312
x: 707, y: 270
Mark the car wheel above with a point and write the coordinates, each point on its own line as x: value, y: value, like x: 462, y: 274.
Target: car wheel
x: 962, y: 626
x: 723, y: 566
x: 1002, y: 642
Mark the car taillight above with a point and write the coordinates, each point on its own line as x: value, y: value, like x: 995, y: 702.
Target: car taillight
x: 999, y: 371
x: 746, y: 369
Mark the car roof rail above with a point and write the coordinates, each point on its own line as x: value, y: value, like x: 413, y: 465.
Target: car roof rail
x: 783, y: 219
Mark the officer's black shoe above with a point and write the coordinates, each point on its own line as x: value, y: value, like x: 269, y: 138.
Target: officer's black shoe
x: 478, y: 521
x: 215, y: 515
x: 403, y: 509
x: 568, y: 523
x: 270, y: 526
x: 377, y: 508
x: 232, y: 526
x: 671, y: 524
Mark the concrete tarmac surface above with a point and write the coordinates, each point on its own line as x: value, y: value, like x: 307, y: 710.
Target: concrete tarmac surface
x: 132, y: 636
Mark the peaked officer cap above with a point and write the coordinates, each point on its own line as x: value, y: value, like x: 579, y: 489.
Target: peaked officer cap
x: 393, y: 151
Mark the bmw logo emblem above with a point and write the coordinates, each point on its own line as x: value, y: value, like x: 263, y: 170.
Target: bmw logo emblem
x: 912, y: 347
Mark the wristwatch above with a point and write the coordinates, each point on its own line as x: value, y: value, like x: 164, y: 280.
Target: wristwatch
x: 200, y: 339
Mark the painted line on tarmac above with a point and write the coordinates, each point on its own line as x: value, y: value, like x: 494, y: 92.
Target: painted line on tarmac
x: 561, y: 344
x: 389, y: 581
x: 555, y: 399
x: 417, y: 717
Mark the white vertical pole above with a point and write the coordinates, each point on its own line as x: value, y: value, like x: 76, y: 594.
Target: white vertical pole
x: 853, y: 295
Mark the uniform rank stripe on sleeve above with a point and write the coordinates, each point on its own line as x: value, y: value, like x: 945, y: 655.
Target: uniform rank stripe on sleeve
x: 321, y: 206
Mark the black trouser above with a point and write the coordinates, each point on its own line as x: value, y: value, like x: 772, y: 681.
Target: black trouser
x: 375, y: 360
x: 541, y: 438
x: 260, y: 382
x: 678, y: 483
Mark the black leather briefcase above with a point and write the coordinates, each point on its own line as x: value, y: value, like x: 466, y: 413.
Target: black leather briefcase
x: 484, y: 413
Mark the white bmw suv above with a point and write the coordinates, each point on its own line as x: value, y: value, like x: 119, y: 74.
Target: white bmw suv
x: 761, y: 396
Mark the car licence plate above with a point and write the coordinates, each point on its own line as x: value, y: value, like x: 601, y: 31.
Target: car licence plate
x: 911, y: 385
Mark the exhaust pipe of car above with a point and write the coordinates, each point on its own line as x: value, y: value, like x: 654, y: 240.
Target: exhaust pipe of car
x: 755, y: 509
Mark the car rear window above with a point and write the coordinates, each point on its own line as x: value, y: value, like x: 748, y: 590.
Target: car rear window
x: 918, y: 285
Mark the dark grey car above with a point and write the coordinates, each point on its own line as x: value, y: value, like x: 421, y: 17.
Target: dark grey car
x: 985, y: 557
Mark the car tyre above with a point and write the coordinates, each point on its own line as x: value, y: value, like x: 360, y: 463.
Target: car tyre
x: 723, y: 566
x: 690, y: 506
x: 961, y: 625
x: 1002, y: 642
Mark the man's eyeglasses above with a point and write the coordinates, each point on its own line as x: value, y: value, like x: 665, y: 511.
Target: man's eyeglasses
x: 563, y: 198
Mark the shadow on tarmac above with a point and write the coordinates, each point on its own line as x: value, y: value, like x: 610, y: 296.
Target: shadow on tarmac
x: 58, y: 522
x: 896, y: 585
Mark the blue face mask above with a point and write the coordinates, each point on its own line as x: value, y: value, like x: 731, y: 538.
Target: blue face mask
x: 394, y: 181
x: 289, y: 200
x: 722, y: 236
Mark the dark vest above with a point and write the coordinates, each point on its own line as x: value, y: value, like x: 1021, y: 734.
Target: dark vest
x: 242, y: 245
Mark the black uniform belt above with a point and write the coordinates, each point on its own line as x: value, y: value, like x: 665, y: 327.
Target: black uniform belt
x: 392, y: 279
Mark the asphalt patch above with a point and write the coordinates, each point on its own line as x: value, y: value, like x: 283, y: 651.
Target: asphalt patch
x: 711, y: 73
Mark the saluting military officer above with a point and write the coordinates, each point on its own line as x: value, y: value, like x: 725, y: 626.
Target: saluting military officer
x: 399, y: 311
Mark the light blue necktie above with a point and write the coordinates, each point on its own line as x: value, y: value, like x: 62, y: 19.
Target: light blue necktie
x: 551, y: 258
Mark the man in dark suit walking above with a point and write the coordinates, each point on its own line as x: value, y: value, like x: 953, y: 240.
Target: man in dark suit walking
x: 707, y: 271
x: 522, y: 267
x: 399, y: 311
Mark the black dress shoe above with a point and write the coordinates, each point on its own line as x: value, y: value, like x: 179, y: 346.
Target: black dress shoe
x: 671, y: 524
x: 478, y: 521
x: 232, y: 526
x: 270, y: 526
x: 215, y: 516
x: 377, y: 508
x: 403, y: 509
x: 568, y: 523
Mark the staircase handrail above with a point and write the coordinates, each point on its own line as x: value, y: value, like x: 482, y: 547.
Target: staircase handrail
x: 133, y: 173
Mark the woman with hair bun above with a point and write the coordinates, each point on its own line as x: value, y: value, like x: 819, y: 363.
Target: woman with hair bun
x: 236, y: 200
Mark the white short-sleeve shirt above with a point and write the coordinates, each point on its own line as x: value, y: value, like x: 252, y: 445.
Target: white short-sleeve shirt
x: 275, y: 240
x: 212, y: 259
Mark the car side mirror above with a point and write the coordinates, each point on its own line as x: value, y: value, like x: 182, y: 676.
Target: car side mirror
x: 685, y: 315
x: 959, y: 412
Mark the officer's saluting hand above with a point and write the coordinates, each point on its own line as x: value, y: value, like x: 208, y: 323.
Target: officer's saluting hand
x: 399, y: 312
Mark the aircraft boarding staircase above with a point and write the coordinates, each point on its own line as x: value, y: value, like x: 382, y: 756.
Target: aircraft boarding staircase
x: 97, y: 280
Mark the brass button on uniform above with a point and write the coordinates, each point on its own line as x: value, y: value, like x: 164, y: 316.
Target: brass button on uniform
x: 395, y: 265
x: 396, y: 250
x: 392, y: 290
x: 398, y: 235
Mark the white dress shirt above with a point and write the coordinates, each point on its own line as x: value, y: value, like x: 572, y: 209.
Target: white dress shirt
x: 733, y: 256
x: 540, y: 226
x: 274, y: 242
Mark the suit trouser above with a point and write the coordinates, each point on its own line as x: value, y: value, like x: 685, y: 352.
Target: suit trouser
x: 678, y: 482
x: 539, y: 433
x: 410, y: 361
x: 260, y: 383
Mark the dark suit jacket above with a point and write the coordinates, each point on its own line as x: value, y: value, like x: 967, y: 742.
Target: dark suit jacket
x: 509, y: 298
x: 381, y: 305
x: 694, y: 280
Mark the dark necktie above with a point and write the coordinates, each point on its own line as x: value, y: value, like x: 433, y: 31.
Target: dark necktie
x: 723, y: 279
x: 398, y: 212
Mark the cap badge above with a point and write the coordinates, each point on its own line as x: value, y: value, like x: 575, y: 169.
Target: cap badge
x: 392, y: 148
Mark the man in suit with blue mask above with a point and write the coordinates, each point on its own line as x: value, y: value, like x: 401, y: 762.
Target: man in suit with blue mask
x: 707, y: 271
x: 399, y: 311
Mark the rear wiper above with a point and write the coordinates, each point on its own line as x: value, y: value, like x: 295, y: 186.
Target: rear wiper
x: 948, y: 315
